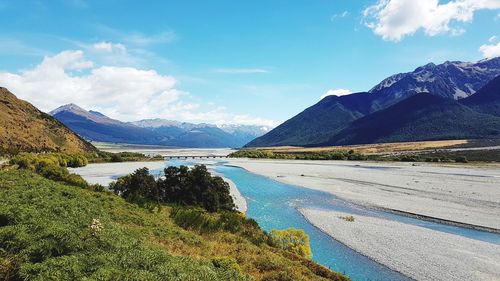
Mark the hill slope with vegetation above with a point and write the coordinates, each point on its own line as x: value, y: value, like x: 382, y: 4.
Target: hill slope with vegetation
x: 25, y: 128
x: 54, y: 231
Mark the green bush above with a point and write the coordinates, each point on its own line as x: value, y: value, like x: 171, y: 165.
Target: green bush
x: 104, y: 157
x: 116, y: 158
x: 53, y: 166
x: 328, y: 155
x: 201, y: 221
x: 183, y: 186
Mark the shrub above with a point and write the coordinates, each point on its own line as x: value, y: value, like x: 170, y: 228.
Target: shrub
x: 293, y: 240
x: 348, y: 218
x: 116, y: 158
x: 97, y: 187
x: 461, y: 159
x: 195, y: 219
x: 53, y: 166
x: 227, y: 263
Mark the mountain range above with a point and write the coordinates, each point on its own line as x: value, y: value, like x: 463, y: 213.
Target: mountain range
x: 447, y: 101
x: 25, y: 128
x: 96, y: 126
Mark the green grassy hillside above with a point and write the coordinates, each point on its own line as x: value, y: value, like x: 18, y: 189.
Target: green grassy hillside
x: 52, y: 231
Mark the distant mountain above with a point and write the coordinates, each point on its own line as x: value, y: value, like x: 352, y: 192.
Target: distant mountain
x: 25, y: 128
x: 96, y: 126
x: 198, y: 134
x: 319, y: 123
x: 244, y: 133
x: 417, y: 118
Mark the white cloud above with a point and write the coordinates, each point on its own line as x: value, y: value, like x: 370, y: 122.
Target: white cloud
x: 395, y: 19
x: 109, y: 47
x: 336, y: 92
x: 340, y: 15
x: 490, y: 50
x: 241, y: 70
x: 124, y: 93
x: 492, y: 39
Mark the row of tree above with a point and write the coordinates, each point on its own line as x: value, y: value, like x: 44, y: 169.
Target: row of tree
x: 179, y: 185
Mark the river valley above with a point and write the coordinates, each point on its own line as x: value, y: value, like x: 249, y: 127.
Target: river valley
x: 277, y: 204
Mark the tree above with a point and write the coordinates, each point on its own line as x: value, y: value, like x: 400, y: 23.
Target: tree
x: 137, y: 187
x: 195, y: 187
x: 184, y: 186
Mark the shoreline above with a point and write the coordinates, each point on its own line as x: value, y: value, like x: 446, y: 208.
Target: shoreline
x: 459, y: 196
x: 437, y: 220
x: 239, y: 200
x: 393, y: 211
x: 339, y: 241
x: 105, y: 173
x: 416, y: 252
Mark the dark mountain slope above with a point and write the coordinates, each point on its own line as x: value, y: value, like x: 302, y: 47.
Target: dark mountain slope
x: 418, y: 118
x: 486, y: 100
x: 25, y: 128
x: 319, y: 122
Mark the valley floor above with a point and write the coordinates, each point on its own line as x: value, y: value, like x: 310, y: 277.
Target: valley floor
x: 465, y: 194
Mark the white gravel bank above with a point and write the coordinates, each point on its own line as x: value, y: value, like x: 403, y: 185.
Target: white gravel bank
x: 104, y: 173
x: 420, y: 253
x: 239, y: 200
x: 462, y: 193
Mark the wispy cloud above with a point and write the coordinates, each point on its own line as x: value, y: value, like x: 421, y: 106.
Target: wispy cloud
x: 11, y: 46
x: 138, y: 38
x: 339, y: 15
x: 109, y: 47
x: 241, y: 70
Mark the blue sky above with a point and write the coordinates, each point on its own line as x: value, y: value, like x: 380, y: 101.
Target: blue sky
x: 227, y: 61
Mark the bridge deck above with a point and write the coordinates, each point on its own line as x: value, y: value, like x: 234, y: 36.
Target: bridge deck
x: 194, y: 156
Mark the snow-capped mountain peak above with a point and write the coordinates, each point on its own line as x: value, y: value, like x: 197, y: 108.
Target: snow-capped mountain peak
x: 451, y: 79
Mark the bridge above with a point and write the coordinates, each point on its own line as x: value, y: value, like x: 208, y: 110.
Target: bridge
x: 168, y: 157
